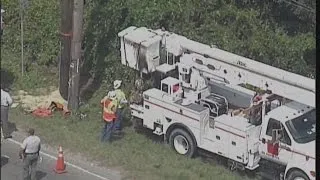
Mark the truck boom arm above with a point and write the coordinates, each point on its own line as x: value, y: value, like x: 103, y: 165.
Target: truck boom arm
x: 239, y: 69
x: 280, y: 82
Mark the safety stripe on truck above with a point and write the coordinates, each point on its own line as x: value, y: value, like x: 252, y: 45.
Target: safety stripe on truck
x: 293, y: 151
x: 296, y: 152
x: 171, y: 110
x: 230, y: 132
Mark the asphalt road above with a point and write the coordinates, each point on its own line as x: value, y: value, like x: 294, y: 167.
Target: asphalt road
x: 11, y: 167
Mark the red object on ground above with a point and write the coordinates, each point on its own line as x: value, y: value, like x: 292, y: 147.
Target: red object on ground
x: 60, y: 166
x: 42, y: 112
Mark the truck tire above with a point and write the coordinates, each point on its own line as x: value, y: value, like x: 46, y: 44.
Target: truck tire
x: 182, y: 142
x: 297, y: 175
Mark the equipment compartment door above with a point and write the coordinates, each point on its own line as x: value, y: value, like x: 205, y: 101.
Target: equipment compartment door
x: 221, y: 138
x: 237, y: 148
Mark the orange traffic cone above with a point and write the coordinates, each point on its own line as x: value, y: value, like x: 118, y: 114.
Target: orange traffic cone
x: 60, y: 166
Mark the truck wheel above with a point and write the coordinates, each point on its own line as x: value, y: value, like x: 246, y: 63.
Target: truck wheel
x: 297, y: 175
x: 182, y: 142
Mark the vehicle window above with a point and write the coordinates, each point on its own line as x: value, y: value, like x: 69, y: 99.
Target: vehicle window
x: 303, y: 128
x: 199, y: 61
x: 273, y: 124
x: 285, y: 137
x: 165, y: 88
x: 175, y: 88
x: 177, y: 59
x: 170, y: 58
x: 211, y: 67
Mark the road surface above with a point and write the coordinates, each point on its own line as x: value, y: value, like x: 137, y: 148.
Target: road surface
x: 11, y: 167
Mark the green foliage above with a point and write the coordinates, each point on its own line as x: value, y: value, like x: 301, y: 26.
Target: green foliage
x: 41, y: 42
x: 41, y: 27
x: 237, y: 29
x: 242, y: 28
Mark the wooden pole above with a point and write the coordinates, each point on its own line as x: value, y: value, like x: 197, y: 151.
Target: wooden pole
x: 74, y: 79
x: 66, y: 35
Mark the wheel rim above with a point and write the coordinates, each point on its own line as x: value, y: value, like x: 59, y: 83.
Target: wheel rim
x: 181, y: 144
x: 299, y: 178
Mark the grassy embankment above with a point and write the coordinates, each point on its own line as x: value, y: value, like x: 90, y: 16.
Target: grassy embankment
x: 138, y: 155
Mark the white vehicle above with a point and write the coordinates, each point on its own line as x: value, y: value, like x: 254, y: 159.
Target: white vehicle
x: 207, y: 106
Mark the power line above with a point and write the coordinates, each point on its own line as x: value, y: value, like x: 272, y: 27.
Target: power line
x: 299, y: 5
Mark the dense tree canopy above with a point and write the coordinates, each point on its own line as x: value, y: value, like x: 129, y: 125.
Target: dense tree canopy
x: 274, y: 32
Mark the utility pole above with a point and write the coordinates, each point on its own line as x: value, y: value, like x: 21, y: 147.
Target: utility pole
x: 74, y: 79
x: 66, y: 35
x: 22, y: 7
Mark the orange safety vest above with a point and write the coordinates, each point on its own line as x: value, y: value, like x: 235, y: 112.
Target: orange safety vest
x: 109, y: 110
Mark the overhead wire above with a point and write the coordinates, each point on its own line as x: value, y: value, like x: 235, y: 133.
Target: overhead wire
x: 299, y: 5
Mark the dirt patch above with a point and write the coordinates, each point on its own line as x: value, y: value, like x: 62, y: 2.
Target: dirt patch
x: 32, y: 102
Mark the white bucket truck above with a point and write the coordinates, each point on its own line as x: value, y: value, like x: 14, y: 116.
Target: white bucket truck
x: 210, y: 106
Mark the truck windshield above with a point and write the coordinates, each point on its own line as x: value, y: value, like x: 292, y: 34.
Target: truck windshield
x: 303, y: 128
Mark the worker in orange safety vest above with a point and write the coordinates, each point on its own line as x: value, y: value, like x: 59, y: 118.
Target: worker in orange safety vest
x: 109, y: 115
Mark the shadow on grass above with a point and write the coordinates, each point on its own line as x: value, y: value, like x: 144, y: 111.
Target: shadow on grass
x: 214, y: 159
x: 4, y: 160
x: 203, y: 155
x: 100, y: 36
x: 7, y: 78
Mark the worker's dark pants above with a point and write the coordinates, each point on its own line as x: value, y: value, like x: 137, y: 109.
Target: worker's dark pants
x: 4, y: 120
x: 29, y: 166
x: 118, y: 122
x: 107, y: 130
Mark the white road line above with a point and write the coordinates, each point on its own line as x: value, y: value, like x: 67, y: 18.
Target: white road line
x: 72, y: 165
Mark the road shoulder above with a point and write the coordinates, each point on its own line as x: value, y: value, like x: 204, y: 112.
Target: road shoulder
x: 72, y: 160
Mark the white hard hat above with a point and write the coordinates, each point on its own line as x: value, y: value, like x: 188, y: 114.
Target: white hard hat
x: 111, y: 94
x: 2, y: 11
x: 117, y: 84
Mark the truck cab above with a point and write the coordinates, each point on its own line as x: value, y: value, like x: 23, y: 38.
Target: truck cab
x: 172, y: 88
x: 288, y: 138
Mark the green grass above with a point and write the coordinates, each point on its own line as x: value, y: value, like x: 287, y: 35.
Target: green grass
x: 36, y: 77
x: 136, y: 154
